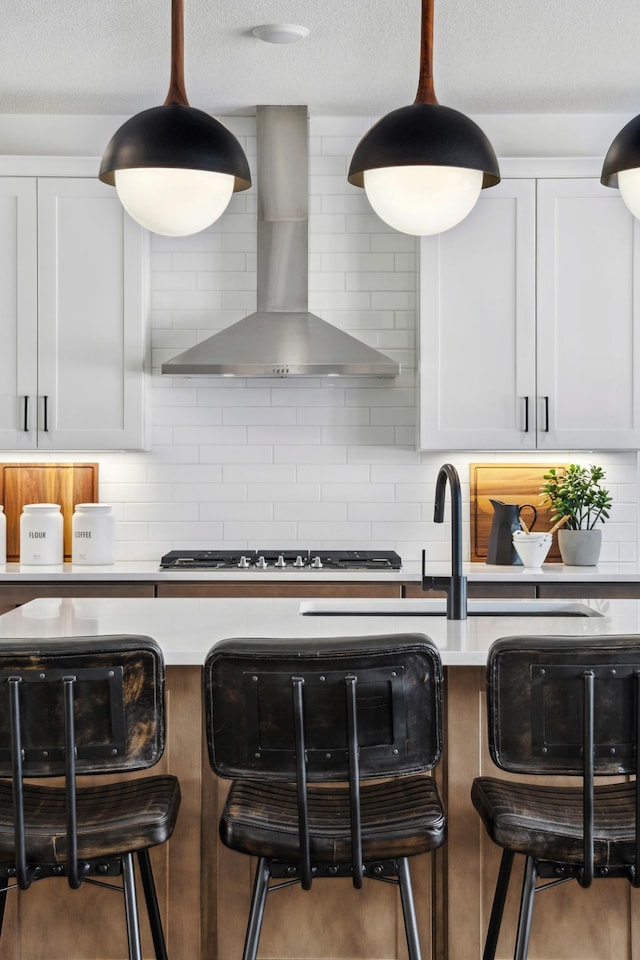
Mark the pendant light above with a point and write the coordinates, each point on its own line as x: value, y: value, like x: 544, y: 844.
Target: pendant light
x: 175, y: 167
x: 423, y: 166
x: 621, y: 166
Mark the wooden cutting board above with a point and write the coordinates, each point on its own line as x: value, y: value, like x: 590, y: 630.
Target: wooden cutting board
x: 63, y: 483
x: 512, y: 483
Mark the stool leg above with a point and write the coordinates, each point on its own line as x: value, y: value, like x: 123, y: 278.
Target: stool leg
x: 408, y: 909
x: 495, y: 921
x: 3, y: 903
x: 131, y: 907
x: 155, y: 920
x: 526, y: 909
x: 256, y: 913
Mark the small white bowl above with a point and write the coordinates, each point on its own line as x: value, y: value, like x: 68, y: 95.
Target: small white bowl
x: 532, y: 548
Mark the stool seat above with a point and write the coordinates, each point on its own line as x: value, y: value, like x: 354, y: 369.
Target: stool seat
x: 130, y: 815
x: 548, y: 821
x: 399, y: 819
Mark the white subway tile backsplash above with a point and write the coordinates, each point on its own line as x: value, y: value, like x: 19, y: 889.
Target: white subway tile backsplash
x: 394, y: 416
x: 221, y: 453
x: 306, y: 454
x: 315, y: 512
x: 226, y: 280
x: 358, y: 435
x: 146, y: 512
x: 284, y: 492
x: 349, y: 534
x: 336, y: 243
x: 381, y: 281
x: 252, y: 416
x: 260, y: 532
x: 382, y: 494
x: 210, y: 435
x: 287, y: 434
x: 337, y: 474
x: 178, y: 415
x: 227, y: 511
x: 187, y: 299
x: 200, y: 532
x: 201, y: 493
x: 334, y: 415
x: 393, y: 512
x: 126, y: 492
x: 267, y: 473
x: 333, y: 396
x: 184, y: 473
x: 308, y: 462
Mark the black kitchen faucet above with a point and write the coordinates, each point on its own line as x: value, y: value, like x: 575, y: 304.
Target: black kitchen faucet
x: 456, y: 584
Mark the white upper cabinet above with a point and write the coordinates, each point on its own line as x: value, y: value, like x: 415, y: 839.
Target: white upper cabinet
x: 588, y: 314
x: 527, y: 315
x: 477, y: 326
x: 18, y: 309
x: 74, y: 317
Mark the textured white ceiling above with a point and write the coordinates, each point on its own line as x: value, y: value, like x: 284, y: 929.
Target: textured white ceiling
x: 361, y: 58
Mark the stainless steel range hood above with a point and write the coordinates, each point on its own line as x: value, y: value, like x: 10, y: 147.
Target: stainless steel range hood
x: 282, y: 339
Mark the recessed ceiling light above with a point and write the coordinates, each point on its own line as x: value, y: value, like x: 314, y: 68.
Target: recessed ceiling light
x: 280, y: 32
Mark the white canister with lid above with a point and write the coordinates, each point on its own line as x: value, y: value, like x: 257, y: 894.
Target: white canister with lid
x: 92, y: 534
x: 3, y: 536
x: 41, y: 539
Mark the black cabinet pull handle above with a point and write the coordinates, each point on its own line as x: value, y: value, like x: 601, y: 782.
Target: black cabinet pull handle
x: 526, y: 414
x: 546, y: 414
x: 25, y: 414
x: 45, y: 425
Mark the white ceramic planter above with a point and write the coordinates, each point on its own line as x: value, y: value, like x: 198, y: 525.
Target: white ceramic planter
x: 579, y: 548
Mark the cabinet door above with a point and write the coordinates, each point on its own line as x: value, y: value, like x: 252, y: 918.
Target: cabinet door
x: 91, y: 339
x: 477, y: 326
x: 18, y: 312
x: 588, y: 290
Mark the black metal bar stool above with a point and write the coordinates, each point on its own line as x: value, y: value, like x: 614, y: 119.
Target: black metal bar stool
x: 78, y: 706
x: 284, y: 717
x: 566, y: 706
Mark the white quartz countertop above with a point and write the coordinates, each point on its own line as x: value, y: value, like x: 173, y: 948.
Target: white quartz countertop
x: 149, y: 570
x: 187, y: 628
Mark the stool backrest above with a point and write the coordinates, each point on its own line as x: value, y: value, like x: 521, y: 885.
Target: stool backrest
x: 255, y: 688
x: 116, y: 687
x: 537, y: 701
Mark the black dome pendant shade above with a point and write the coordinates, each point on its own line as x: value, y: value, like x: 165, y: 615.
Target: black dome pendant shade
x: 425, y: 133
x: 175, y: 135
x: 623, y: 154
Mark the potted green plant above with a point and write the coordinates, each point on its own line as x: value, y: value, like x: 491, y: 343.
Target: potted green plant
x: 578, y: 501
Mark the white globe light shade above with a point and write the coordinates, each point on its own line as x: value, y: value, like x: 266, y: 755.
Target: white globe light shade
x: 629, y: 186
x: 171, y: 201
x: 422, y: 200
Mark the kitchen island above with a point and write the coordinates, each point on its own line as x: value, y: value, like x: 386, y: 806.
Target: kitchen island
x: 204, y: 888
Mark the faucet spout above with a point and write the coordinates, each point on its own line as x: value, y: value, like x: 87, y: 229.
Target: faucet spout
x: 456, y: 585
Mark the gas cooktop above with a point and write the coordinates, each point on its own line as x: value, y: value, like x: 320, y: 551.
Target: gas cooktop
x: 281, y: 560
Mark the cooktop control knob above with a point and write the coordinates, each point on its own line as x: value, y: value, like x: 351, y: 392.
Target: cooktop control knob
x: 244, y: 563
x: 299, y: 562
x: 261, y: 563
x: 280, y: 562
x: 317, y: 563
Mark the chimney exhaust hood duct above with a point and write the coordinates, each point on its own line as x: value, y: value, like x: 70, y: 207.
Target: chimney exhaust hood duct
x: 282, y: 339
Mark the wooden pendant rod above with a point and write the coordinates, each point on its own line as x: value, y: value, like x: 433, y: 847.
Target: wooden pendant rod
x: 426, y: 92
x: 177, y: 92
